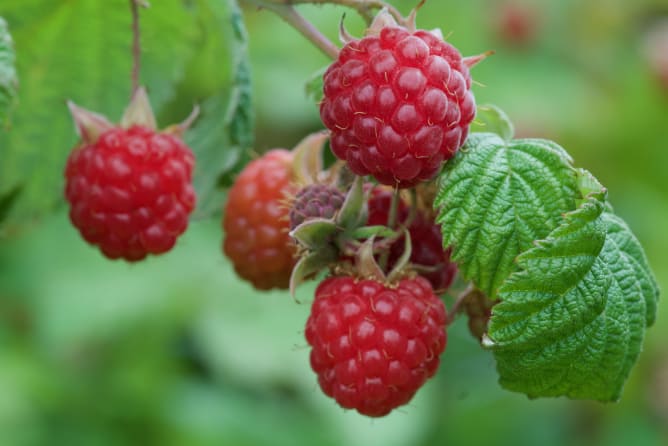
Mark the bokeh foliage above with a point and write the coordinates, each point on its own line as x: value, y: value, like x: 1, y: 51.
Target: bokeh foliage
x: 177, y: 350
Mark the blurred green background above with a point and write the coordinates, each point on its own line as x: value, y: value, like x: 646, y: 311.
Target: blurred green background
x: 177, y: 351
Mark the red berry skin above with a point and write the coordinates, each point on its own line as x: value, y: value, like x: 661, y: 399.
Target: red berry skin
x: 256, y: 222
x: 426, y: 238
x: 398, y: 105
x: 374, y: 346
x: 130, y: 192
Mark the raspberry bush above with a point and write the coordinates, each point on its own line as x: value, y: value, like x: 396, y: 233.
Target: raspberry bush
x: 411, y: 196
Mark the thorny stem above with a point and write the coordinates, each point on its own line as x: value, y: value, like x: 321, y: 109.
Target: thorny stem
x: 293, y: 18
x: 136, y: 48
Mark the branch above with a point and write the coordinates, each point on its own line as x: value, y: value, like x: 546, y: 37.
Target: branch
x: 285, y: 11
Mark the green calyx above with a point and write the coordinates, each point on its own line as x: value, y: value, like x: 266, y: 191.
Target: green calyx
x: 323, y: 242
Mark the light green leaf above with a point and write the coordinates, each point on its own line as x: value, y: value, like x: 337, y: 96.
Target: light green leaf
x: 223, y: 136
x: 496, y: 198
x: 491, y: 119
x: 572, y: 320
x: 8, y: 77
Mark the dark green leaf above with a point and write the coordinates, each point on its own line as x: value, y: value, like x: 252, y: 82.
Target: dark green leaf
x: 572, y: 320
x: 496, y: 198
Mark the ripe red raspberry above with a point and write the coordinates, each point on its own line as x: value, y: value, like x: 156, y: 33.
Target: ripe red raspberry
x: 398, y: 105
x: 315, y: 201
x: 426, y: 238
x: 256, y: 222
x: 130, y: 191
x: 374, y: 346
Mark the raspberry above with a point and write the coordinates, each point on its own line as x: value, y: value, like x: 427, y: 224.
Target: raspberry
x: 426, y: 238
x: 315, y: 201
x: 130, y: 191
x: 398, y: 105
x: 374, y: 346
x: 256, y: 222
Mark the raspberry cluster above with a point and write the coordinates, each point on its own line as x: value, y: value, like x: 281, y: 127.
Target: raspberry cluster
x: 426, y: 238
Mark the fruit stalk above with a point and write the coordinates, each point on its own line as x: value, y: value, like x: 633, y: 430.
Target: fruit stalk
x: 391, y: 223
x: 136, y: 47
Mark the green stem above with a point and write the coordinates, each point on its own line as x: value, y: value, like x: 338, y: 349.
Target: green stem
x: 136, y: 46
x: 136, y: 50
x: 391, y: 223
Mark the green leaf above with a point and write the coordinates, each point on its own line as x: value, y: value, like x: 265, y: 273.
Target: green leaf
x: 223, y: 137
x: 491, y: 119
x: 496, y: 198
x: 8, y: 77
x: 632, y: 254
x: 572, y: 320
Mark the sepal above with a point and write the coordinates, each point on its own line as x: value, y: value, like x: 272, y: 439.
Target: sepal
x: 139, y: 111
x: 314, y: 233
x: 89, y: 125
